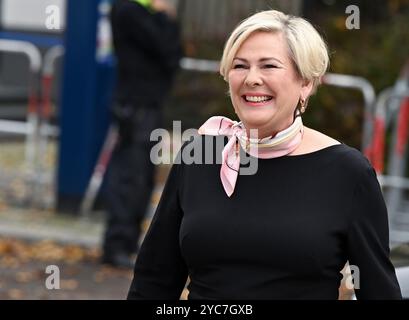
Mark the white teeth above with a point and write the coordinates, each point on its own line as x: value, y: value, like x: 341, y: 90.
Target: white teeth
x: 257, y: 98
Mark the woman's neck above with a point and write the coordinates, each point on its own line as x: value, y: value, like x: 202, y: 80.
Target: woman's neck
x: 267, y: 131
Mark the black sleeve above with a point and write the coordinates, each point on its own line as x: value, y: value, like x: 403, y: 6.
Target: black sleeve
x: 368, y: 242
x: 155, y: 32
x: 160, y: 271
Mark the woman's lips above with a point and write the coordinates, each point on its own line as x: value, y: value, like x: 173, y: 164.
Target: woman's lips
x: 256, y: 100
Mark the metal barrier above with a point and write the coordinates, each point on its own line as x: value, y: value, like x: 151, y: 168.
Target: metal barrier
x: 396, y: 183
x: 384, y: 114
x: 47, y: 77
x: 397, y: 154
x: 380, y: 124
x: 383, y: 120
x: 368, y: 92
x: 392, y: 110
x: 200, y: 65
x: 35, y: 61
x: 31, y: 127
x: 48, y: 72
x: 36, y: 128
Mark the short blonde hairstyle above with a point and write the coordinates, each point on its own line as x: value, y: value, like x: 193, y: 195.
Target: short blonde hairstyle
x: 307, y: 49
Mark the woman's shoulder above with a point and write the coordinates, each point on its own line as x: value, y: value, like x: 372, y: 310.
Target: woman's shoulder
x: 347, y: 156
x: 314, y: 140
x: 320, y: 138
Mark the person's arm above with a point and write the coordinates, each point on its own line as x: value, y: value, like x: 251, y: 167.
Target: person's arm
x: 160, y: 271
x: 156, y: 33
x: 368, y: 241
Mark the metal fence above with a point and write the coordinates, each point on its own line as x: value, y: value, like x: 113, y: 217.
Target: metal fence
x: 36, y: 129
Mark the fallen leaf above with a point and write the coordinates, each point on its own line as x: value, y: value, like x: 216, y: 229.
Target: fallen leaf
x: 15, y: 294
x: 9, y: 262
x: 98, y: 277
x: 26, y: 276
x: 70, y: 284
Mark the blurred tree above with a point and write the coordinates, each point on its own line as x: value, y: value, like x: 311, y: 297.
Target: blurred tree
x: 375, y: 52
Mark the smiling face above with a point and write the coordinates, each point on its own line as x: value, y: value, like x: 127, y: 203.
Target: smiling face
x: 264, y: 85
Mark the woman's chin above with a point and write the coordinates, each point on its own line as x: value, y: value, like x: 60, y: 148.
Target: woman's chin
x: 255, y: 124
x: 255, y: 121
x: 256, y: 117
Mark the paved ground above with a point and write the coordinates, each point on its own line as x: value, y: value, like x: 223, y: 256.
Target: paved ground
x: 30, y: 241
x: 80, y: 275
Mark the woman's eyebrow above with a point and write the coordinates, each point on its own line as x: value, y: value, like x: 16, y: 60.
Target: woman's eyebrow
x: 271, y: 58
x: 261, y: 60
x: 241, y: 59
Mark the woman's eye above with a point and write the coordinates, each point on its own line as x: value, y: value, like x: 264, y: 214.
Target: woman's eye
x: 270, y: 66
x: 239, y: 66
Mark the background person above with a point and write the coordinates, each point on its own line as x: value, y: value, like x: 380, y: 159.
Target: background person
x: 147, y: 44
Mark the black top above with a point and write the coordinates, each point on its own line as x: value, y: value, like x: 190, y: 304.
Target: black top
x: 148, y: 47
x: 285, y: 233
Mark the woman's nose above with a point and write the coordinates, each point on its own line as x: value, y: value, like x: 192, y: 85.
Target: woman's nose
x: 253, y: 78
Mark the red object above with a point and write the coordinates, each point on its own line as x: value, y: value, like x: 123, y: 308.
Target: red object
x: 403, y: 124
x: 46, y: 97
x: 32, y: 103
x: 378, y: 146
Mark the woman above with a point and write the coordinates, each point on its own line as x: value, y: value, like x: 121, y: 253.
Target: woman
x: 287, y: 230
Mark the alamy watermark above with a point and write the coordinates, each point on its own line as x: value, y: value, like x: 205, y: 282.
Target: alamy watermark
x: 53, y: 17
x: 52, y: 282
x: 353, y: 20
x: 202, y: 151
x: 351, y: 277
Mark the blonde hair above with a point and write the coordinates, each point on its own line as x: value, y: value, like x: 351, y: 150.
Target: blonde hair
x: 306, y: 47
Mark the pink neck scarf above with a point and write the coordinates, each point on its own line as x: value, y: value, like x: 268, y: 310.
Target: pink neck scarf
x: 283, y: 143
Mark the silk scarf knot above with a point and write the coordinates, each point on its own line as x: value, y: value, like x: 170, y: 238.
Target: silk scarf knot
x: 283, y: 143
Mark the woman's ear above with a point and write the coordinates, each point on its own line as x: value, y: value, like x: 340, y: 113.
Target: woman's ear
x: 306, y: 88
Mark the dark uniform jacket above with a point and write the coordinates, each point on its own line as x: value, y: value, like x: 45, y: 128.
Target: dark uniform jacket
x: 148, y: 49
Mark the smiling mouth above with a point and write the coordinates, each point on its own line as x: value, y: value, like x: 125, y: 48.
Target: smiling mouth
x: 257, y: 99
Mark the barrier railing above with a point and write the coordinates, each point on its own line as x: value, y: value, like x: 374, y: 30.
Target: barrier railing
x: 201, y: 65
x: 31, y: 128
x: 48, y: 73
x: 35, y: 61
x: 369, y: 95
x: 36, y: 128
x: 47, y: 78
x: 392, y: 110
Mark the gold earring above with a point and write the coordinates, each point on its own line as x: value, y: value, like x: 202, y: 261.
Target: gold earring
x: 302, y: 104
